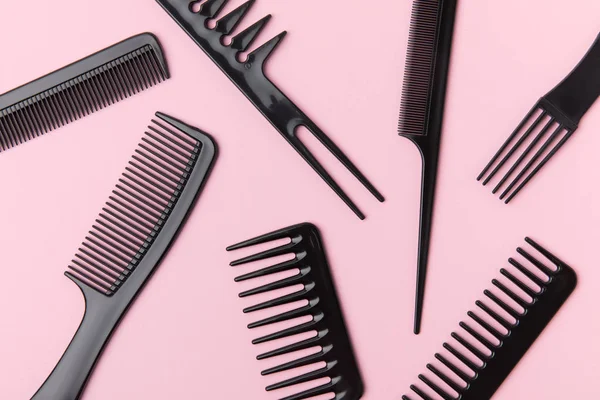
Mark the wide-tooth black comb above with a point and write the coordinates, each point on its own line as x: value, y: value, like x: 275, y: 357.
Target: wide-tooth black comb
x: 132, y: 234
x: 322, y: 305
x: 422, y: 110
x: 249, y: 77
x: 555, y: 286
x: 80, y: 89
x: 555, y: 118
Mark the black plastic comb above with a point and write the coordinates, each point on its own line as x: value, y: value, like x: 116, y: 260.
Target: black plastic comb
x: 132, y: 234
x: 422, y: 110
x: 80, y: 89
x: 322, y: 305
x: 555, y: 285
x: 554, y: 118
x: 249, y: 77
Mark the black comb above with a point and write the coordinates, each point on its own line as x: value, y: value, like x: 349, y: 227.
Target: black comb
x: 422, y: 110
x: 249, y: 77
x: 80, y: 89
x: 322, y: 305
x: 132, y: 234
x: 554, y: 118
x: 555, y: 286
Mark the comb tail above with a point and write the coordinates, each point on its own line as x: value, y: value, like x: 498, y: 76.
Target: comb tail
x: 69, y: 377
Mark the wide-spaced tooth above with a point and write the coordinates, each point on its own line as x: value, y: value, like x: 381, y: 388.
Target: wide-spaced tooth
x: 517, y: 282
x: 513, y: 313
x: 498, y: 335
x: 478, y: 353
x: 435, y: 388
x: 301, y: 362
x: 450, y: 382
x: 273, y: 269
x: 274, y: 252
x: 314, y: 392
x: 229, y: 22
x: 489, y: 345
x: 527, y: 272
x: 474, y: 367
x: 291, y: 348
x: 212, y: 7
x: 283, y: 283
x: 501, y: 320
x: 421, y: 393
x: 459, y: 372
x: 307, y: 377
x: 537, y: 262
x: 244, y: 39
x: 286, y: 316
x: 261, y: 54
x: 279, y: 301
x: 268, y: 237
x: 308, y: 326
x: 516, y: 298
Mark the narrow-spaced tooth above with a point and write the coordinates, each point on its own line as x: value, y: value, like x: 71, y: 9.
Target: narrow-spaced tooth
x: 302, y: 345
x: 211, y: 8
x: 435, y: 387
x: 244, y: 39
x: 292, y: 280
x: 286, y: 316
x: 261, y: 54
x: 229, y: 22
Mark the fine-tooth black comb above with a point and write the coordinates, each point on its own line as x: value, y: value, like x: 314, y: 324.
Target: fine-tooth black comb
x: 422, y: 110
x: 555, y: 117
x: 321, y: 304
x: 132, y: 234
x: 249, y: 77
x: 506, y: 332
x: 80, y: 89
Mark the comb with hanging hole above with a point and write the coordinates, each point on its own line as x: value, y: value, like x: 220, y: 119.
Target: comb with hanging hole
x: 321, y: 305
x: 508, y: 323
x: 194, y: 16
x: 80, y: 89
x: 553, y: 119
x: 130, y: 237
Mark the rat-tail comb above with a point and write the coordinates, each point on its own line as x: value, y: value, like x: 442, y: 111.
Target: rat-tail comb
x: 508, y: 322
x: 321, y: 305
x: 194, y: 16
x: 128, y: 240
x: 546, y: 128
x: 80, y: 89
x: 422, y: 110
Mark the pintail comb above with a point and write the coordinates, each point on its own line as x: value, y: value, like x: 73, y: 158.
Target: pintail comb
x: 500, y: 333
x: 194, y: 16
x: 129, y: 239
x: 320, y: 304
x: 80, y: 89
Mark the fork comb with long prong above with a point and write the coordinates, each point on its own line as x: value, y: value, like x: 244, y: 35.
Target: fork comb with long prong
x: 321, y: 305
x: 249, y: 77
x: 547, y: 127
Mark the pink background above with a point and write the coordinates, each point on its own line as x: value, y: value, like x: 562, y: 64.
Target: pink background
x: 342, y: 62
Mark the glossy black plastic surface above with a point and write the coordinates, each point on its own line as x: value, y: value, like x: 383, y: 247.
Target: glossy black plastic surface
x: 558, y: 114
x: 322, y: 305
x: 422, y: 110
x: 129, y: 240
x: 80, y: 89
x: 556, y: 285
x: 249, y: 77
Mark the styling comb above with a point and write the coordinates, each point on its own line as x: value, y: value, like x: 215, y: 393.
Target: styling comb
x: 250, y: 78
x: 515, y: 314
x: 80, y: 89
x: 547, y: 127
x: 422, y: 110
x: 322, y: 305
x: 129, y: 239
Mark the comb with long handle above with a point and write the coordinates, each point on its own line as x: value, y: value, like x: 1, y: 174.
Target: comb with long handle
x: 81, y: 88
x: 322, y: 306
x: 531, y: 310
x: 129, y: 239
x: 422, y: 111
x: 249, y: 77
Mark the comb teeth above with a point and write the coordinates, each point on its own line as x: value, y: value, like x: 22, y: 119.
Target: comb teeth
x: 321, y: 307
x: 488, y: 353
x: 420, y: 62
x: 137, y: 209
x: 76, y: 91
x: 551, y: 130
